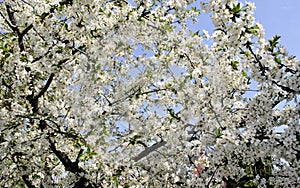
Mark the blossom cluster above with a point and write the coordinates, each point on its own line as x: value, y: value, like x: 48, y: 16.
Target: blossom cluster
x: 98, y: 93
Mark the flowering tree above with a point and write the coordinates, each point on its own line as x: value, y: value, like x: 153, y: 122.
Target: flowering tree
x: 104, y: 93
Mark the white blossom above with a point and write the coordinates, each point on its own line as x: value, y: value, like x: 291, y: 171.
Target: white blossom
x: 122, y: 94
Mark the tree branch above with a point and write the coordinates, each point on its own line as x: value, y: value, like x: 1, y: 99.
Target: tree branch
x: 65, y: 160
x: 33, y: 100
x: 152, y: 91
x: 13, y: 22
x: 216, y: 115
x: 214, y: 172
x: 261, y: 67
x: 26, y: 30
x: 45, y: 88
x: 27, y: 182
x: 149, y: 150
x: 287, y: 89
x: 13, y: 25
x: 53, y: 8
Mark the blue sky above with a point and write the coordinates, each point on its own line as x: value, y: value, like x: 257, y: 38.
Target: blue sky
x: 281, y: 17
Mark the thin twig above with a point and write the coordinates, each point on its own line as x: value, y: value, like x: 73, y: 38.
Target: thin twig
x: 216, y: 116
x: 212, y: 176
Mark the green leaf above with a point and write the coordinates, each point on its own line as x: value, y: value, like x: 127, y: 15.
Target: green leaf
x: 234, y: 65
x: 6, y: 55
x: 252, y: 29
x: 236, y: 8
x: 277, y: 60
x: 247, y: 53
x: 104, y: 129
x: 137, y: 136
x: 274, y: 41
x: 168, y: 86
x: 61, y: 8
x: 218, y: 133
x: 23, y: 58
x: 168, y: 28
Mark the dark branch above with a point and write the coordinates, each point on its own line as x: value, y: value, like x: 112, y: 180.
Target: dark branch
x: 46, y: 86
x: 189, y: 59
x: 26, y: 30
x: 287, y: 89
x: 53, y: 8
x: 8, y: 86
x: 211, y: 178
x: 78, y: 156
x: 135, y: 93
x: 72, y: 166
x: 13, y: 25
x: 261, y: 67
x: 40, y: 57
x: 65, y: 160
x: 27, y: 182
x: 83, y: 183
x: 20, y: 42
x: 287, y: 69
x: 21, y: 35
x: 152, y: 91
x: 66, y: 2
x: 34, y: 100
x: 13, y: 22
